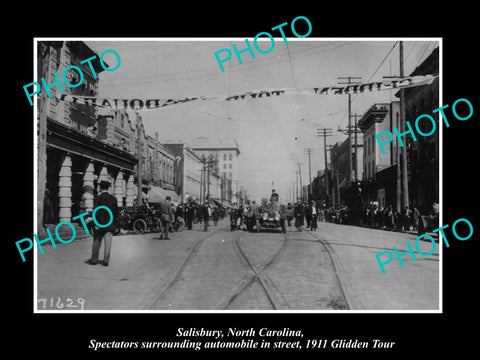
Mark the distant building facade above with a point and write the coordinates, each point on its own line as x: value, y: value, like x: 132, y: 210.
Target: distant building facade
x: 225, y: 153
x: 342, y: 179
x: 157, y: 175
x: 187, y: 171
x: 423, y: 154
x: 379, y: 168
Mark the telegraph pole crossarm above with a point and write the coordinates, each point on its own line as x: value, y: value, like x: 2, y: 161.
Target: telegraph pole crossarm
x: 349, y: 82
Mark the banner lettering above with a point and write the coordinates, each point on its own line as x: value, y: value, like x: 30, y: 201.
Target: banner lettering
x: 158, y: 103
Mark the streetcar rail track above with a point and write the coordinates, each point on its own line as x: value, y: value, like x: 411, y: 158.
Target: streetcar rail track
x: 335, y: 270
x: 274, y: 297
x: 257, y: 275
x: 159, y: 292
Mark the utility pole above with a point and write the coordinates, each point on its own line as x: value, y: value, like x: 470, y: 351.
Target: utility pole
x: 201, y: 185
x: 309, y: 151
x: 349, y: 82
x: 325, y: 132
x: 207, y: 165
x: 327, y: 179
x: 402, y: 125
x: 296, y: 188
x: 139, y: 166
x: 208, y: 182
x: 355, y: 131
x: 300, y: 177
x: 236, y: 191
x: 293, y: 192
x: 221, y: 190
x: 402, y: 171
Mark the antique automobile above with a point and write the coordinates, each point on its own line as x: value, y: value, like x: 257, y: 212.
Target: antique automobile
x: 270, y: 215
x: 344, y: 215
x: 139, y: 219
x: 178, y: 223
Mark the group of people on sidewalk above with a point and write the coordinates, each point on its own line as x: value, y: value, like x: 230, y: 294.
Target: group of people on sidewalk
x: 406, y: 220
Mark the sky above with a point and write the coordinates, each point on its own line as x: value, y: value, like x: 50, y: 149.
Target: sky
x: 273, y: 133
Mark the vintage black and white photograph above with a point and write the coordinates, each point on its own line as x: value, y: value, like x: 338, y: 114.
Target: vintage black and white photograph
x: 238, y: 175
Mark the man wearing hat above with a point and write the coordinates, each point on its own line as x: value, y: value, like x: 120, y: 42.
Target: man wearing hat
x: 103, y: 217
x: 166, y: 216
x: 274, y: 196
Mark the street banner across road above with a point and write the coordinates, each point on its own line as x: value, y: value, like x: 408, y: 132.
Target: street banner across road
x: 144, y: 104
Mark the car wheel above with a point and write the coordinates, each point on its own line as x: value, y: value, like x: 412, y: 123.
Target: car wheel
x: 156, y: 225
x: 139, y: 226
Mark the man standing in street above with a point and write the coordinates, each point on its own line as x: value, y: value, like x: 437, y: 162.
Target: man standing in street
x: 274, y: 196
x: 299, y: 213
x: 289, y: 213
x: 313, y: 216
x: 103, y: 217
x: 252, y: 216
x: 189, y: 212
x: 308, y: 214
x: 215, y: 215
x: 166, y: 216
x: 179, y: 213
x: 206, y: 216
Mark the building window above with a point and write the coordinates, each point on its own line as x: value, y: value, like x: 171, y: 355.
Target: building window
x: 224, y: 166
x: 224, y: 157
x: 230, y: 174
x: 230, y: 157
x: 229, y: 166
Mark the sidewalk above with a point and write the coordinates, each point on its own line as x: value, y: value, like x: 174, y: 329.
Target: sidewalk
x: 410, y: 232
x: 65, y: 232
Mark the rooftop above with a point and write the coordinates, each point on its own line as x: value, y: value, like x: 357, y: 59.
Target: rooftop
x: 204, y: 143
x: 375, y: 113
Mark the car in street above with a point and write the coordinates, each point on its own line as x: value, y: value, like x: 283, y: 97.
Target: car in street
x: 270, y: 216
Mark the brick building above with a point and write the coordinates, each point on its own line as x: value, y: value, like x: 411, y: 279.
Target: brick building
x: 72, y: 158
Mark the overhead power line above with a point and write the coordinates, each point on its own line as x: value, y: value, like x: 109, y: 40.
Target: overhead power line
x: 381, y: 63
x: 213, y: 71
x: 378, y: 67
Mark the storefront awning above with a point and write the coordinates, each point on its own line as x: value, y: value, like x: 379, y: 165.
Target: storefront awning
x: 135, y: 191
x: 156, y: 194
x: 216, y: 202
